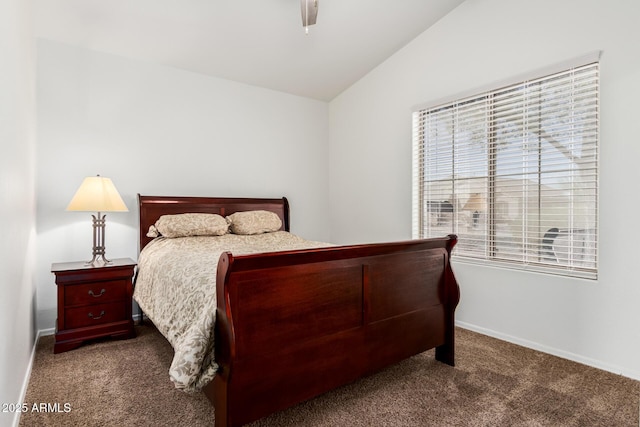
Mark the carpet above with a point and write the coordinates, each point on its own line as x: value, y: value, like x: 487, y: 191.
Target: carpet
x: 494, y: 383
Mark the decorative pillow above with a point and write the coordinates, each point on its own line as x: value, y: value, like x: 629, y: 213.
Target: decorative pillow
x: 153, y: 232
x: 254, y: 222
x: 190, y: 224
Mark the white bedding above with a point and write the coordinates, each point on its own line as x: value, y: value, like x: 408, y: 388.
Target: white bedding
x: 175, y: 287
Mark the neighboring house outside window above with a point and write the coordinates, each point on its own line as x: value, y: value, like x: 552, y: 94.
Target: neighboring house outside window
x: 514, y: 172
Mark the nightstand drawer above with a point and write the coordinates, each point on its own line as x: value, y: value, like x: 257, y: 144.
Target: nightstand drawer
x: 95, y: 293
x: 96, y: 314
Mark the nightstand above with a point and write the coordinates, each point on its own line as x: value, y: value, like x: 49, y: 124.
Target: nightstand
x: 93, y: 302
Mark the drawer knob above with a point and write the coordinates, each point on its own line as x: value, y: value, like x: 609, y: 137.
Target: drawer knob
x: 102, y: 291
x: 96, y: 317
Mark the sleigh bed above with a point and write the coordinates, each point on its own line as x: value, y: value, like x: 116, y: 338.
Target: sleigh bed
x: 293, y: 324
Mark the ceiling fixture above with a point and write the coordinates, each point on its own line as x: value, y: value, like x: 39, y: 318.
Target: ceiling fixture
x: 309, y: 13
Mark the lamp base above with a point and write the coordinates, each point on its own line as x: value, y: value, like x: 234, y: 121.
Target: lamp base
x: 98, y: 259
x: 98, y: 240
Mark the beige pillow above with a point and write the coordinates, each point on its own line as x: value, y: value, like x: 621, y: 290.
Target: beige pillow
x: 190, y: 224
x: 254, y: 222
x: 153, y: 232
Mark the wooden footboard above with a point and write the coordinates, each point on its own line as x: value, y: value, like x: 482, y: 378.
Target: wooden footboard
x: 293, y: 325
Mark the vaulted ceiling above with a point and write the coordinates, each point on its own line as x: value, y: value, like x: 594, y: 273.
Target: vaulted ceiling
x: 257, y: 42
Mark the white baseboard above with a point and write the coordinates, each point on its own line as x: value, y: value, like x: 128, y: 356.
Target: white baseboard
x: 553, y: 351
x: 27, y: 376
x: 46, y: 332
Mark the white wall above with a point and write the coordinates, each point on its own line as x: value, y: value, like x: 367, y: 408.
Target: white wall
x: 17, y: 200
x: 480, y: 42
x: 160, y: 131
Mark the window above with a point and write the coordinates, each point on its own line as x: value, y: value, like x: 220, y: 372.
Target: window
x: 514, y: 172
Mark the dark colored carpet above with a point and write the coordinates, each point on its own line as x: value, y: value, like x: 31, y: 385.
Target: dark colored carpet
x: 494, y: 383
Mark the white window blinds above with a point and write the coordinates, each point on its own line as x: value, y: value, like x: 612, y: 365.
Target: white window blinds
x: 514, y: 173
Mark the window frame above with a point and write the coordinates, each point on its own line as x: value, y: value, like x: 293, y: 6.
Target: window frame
x: 421, y: 215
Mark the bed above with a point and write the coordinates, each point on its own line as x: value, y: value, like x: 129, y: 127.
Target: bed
x: 293, y: 324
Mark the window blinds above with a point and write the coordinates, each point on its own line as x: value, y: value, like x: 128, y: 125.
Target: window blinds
x: 514, y: 172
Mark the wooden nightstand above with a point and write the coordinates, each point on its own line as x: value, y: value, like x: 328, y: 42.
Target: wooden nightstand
x: 93, y: 301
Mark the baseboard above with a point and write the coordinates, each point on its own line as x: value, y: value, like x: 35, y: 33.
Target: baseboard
x: 27, y: 376
x: 634, y: 375
x: 46, y: 332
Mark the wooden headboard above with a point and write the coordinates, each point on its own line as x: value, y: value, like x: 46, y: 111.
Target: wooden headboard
x: 152, y: 207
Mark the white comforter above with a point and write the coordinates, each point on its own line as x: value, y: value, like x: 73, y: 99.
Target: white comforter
x: 176, y: 288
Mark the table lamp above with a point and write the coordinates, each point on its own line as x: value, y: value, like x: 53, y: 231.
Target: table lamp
x: 97, y: 194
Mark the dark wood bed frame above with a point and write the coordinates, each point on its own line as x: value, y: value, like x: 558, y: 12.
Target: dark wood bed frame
x: 293, y: 325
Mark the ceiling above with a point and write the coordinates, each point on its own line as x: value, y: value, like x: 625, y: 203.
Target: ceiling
x: 257, y: 42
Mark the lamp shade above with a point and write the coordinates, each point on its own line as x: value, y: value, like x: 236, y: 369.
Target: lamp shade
x: 476, y: 203
x: 97, y: 194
